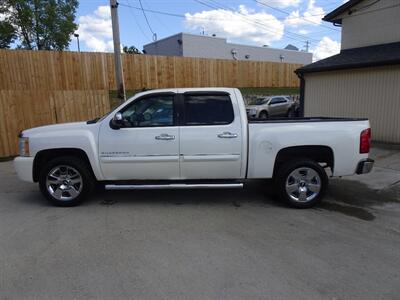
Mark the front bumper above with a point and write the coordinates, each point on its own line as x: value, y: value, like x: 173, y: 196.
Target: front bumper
x: 24, y: 168
x: 365, y: 166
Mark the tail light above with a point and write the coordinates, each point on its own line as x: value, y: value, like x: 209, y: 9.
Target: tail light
x: 365, y: 140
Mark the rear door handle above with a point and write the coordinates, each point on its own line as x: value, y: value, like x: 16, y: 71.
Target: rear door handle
x: 227, y: 135
x: 165, y: 137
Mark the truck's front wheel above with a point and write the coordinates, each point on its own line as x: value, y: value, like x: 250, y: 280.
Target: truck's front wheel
x: 66, y: 181
x: 301, y: 184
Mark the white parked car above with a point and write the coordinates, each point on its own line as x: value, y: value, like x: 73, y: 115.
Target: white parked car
x: 271, y: 106
x: 191, y: 138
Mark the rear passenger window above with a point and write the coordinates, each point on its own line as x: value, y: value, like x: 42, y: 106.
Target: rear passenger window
x: 274, y: 101
x: 277, y: 100
x: 208, y: 110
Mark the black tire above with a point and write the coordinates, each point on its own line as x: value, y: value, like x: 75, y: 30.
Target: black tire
x: 77, y: 165
x: 285, y: 176
x: 100, y: 187
x: 263, y: 115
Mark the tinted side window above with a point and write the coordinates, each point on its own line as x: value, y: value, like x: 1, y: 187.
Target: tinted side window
x: 274, y: 101
x: 208, y: 110
x: 150, y: 111
x: 277, y: 100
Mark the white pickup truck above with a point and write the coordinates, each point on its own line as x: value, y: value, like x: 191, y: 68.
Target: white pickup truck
x: 191, y: 138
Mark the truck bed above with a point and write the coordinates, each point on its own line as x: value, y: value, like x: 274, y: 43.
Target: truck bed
x: 305, y: 119
x: 268, y: 137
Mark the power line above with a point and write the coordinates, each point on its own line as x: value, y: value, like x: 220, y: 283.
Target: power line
x: 279, y: 18
x: 169, y: 13
x: 138, y: 24
x: 157, y: 11
x: 147, y: 21
x: 264, y: 26
x: 159, y: 20
x: 225, y: 7
x: 287, y: 13
x: 303, y: 38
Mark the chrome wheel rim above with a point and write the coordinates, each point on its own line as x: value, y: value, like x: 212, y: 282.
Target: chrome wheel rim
x: 64, y: 183
x: 303, y: 184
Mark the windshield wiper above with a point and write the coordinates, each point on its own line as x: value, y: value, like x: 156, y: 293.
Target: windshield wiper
x: 93, y: 121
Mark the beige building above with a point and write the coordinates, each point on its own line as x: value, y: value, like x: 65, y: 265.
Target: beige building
x: 363, y: 80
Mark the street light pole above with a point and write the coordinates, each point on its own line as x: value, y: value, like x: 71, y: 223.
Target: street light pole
x: 77, y: 39
x: 117, y: 50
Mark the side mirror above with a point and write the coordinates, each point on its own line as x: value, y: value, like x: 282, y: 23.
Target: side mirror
x: 117, y: 121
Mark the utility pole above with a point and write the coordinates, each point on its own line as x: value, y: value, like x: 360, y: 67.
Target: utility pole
x: 117, y: 50
x: 307, y: 45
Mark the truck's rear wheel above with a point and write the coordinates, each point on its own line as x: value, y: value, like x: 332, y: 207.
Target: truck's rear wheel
x: 66, y: 181
x: 301, y: 184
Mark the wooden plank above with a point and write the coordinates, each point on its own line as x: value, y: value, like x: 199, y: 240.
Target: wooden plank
x: 4, y: 144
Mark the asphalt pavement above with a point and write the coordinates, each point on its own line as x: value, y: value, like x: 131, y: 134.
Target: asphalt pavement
x: 205, y: 244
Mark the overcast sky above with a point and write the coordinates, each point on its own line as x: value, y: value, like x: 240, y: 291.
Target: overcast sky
x: 275, y: 23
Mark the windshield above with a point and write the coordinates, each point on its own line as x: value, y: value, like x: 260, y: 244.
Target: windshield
x: 260, y: 101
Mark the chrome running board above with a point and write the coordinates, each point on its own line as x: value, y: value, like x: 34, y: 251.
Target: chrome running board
x: 173, y: 186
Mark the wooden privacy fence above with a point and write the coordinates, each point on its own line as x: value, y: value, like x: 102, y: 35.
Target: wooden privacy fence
x: 45, y: 87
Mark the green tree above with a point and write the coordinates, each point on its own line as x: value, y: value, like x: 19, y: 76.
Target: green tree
x: 131, y: 50
x: 37, y: 24
x: 7, y: 34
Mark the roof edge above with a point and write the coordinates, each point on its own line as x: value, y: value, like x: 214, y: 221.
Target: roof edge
x: 331, y: 17
x: 349, y: 66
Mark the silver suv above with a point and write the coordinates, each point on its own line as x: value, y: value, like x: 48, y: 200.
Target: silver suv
x: 272, y: 106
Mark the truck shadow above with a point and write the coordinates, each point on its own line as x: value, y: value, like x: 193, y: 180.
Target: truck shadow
x: 253, y: 194
x: 350, y: 198
x: 347, y: 197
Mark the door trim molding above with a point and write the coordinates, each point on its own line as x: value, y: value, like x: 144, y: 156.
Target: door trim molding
x: 140, y: 158
x: 210, y: 157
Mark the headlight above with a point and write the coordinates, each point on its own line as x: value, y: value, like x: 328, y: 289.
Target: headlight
x: 23, y: 146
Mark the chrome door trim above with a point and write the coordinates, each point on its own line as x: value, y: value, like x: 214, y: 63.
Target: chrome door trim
x: 173, y: 186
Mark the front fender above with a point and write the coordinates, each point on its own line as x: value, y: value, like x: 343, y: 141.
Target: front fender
x: 84, y: 140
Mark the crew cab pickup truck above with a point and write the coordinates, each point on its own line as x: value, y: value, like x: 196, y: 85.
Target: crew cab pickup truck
x: 191, y: 138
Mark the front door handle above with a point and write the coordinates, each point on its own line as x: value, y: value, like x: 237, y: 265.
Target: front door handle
x: 165, y: 137
x: 227, y: 135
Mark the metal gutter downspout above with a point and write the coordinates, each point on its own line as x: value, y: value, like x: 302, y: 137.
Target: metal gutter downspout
x: 302, y: 91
